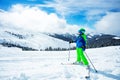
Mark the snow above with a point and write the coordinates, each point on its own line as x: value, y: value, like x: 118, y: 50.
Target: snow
x: 116, y: 37
x: 90, y: 35
x: 46, y: 65
x: 35, y: 40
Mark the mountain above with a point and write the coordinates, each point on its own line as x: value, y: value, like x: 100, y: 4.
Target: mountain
x: 94, y: 40
x: 28, y: 40
x: 102, y: 40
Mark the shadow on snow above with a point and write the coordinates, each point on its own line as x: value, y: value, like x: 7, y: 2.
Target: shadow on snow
x: 106, y: 74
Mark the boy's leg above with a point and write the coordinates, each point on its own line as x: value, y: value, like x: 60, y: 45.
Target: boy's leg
x: 78, y: 55
x: 82, y: 56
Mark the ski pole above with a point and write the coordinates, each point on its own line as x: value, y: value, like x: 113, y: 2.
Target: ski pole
x: 69, y: 53
x: 91, y: 62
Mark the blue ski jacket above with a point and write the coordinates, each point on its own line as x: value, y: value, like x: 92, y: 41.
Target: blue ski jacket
x: 80, y: 42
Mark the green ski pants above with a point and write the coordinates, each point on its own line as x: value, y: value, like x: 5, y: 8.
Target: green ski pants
x: 81, y: 57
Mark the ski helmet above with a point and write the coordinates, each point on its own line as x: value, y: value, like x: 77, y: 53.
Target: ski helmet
x: 82, y: 30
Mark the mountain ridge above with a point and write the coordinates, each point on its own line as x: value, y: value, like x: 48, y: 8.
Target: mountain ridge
x: 94, y: 40
x: 46, y: 41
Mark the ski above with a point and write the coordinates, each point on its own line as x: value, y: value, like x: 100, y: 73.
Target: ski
x: 88, y: 76
x: 71, y: 64
x: 66, y: 63
x: 88, y: 72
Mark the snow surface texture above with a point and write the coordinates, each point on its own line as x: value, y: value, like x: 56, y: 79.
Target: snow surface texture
x: 46, y: 65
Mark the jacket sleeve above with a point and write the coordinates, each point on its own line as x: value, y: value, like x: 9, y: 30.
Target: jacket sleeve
x: 75, y: 40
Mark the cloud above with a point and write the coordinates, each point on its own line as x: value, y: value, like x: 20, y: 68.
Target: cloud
x: 92, y: 10
x: 32, y: 18
x: 109, y: 24
x: 35, y: 19
x: 76, y: 6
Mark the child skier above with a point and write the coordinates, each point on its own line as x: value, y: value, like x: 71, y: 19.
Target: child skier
x: 81, y: 41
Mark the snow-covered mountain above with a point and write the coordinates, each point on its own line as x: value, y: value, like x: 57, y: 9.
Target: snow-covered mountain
x: 102, y: 40
x: 30, y: 40
x: 94, y: 39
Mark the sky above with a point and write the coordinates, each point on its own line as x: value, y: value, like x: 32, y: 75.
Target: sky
x: 61, y: 16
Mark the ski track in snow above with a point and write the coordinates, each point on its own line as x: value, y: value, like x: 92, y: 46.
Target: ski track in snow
x: 46, y: 65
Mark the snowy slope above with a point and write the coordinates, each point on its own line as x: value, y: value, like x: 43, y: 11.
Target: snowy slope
x: 116, y: 37
x: 46, y: 65
x: 35, y: 40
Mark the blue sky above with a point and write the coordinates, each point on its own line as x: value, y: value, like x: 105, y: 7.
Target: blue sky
x: 71, y: 19
x: 88, y: 13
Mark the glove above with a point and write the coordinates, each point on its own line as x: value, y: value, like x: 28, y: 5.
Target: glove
x: 71, y: 41
x: 83, y: 47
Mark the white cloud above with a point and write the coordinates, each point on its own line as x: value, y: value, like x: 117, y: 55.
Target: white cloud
x: 33, y: 18
x: 65, y: 7
x: 109, y: 24
x: 93, y: 10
